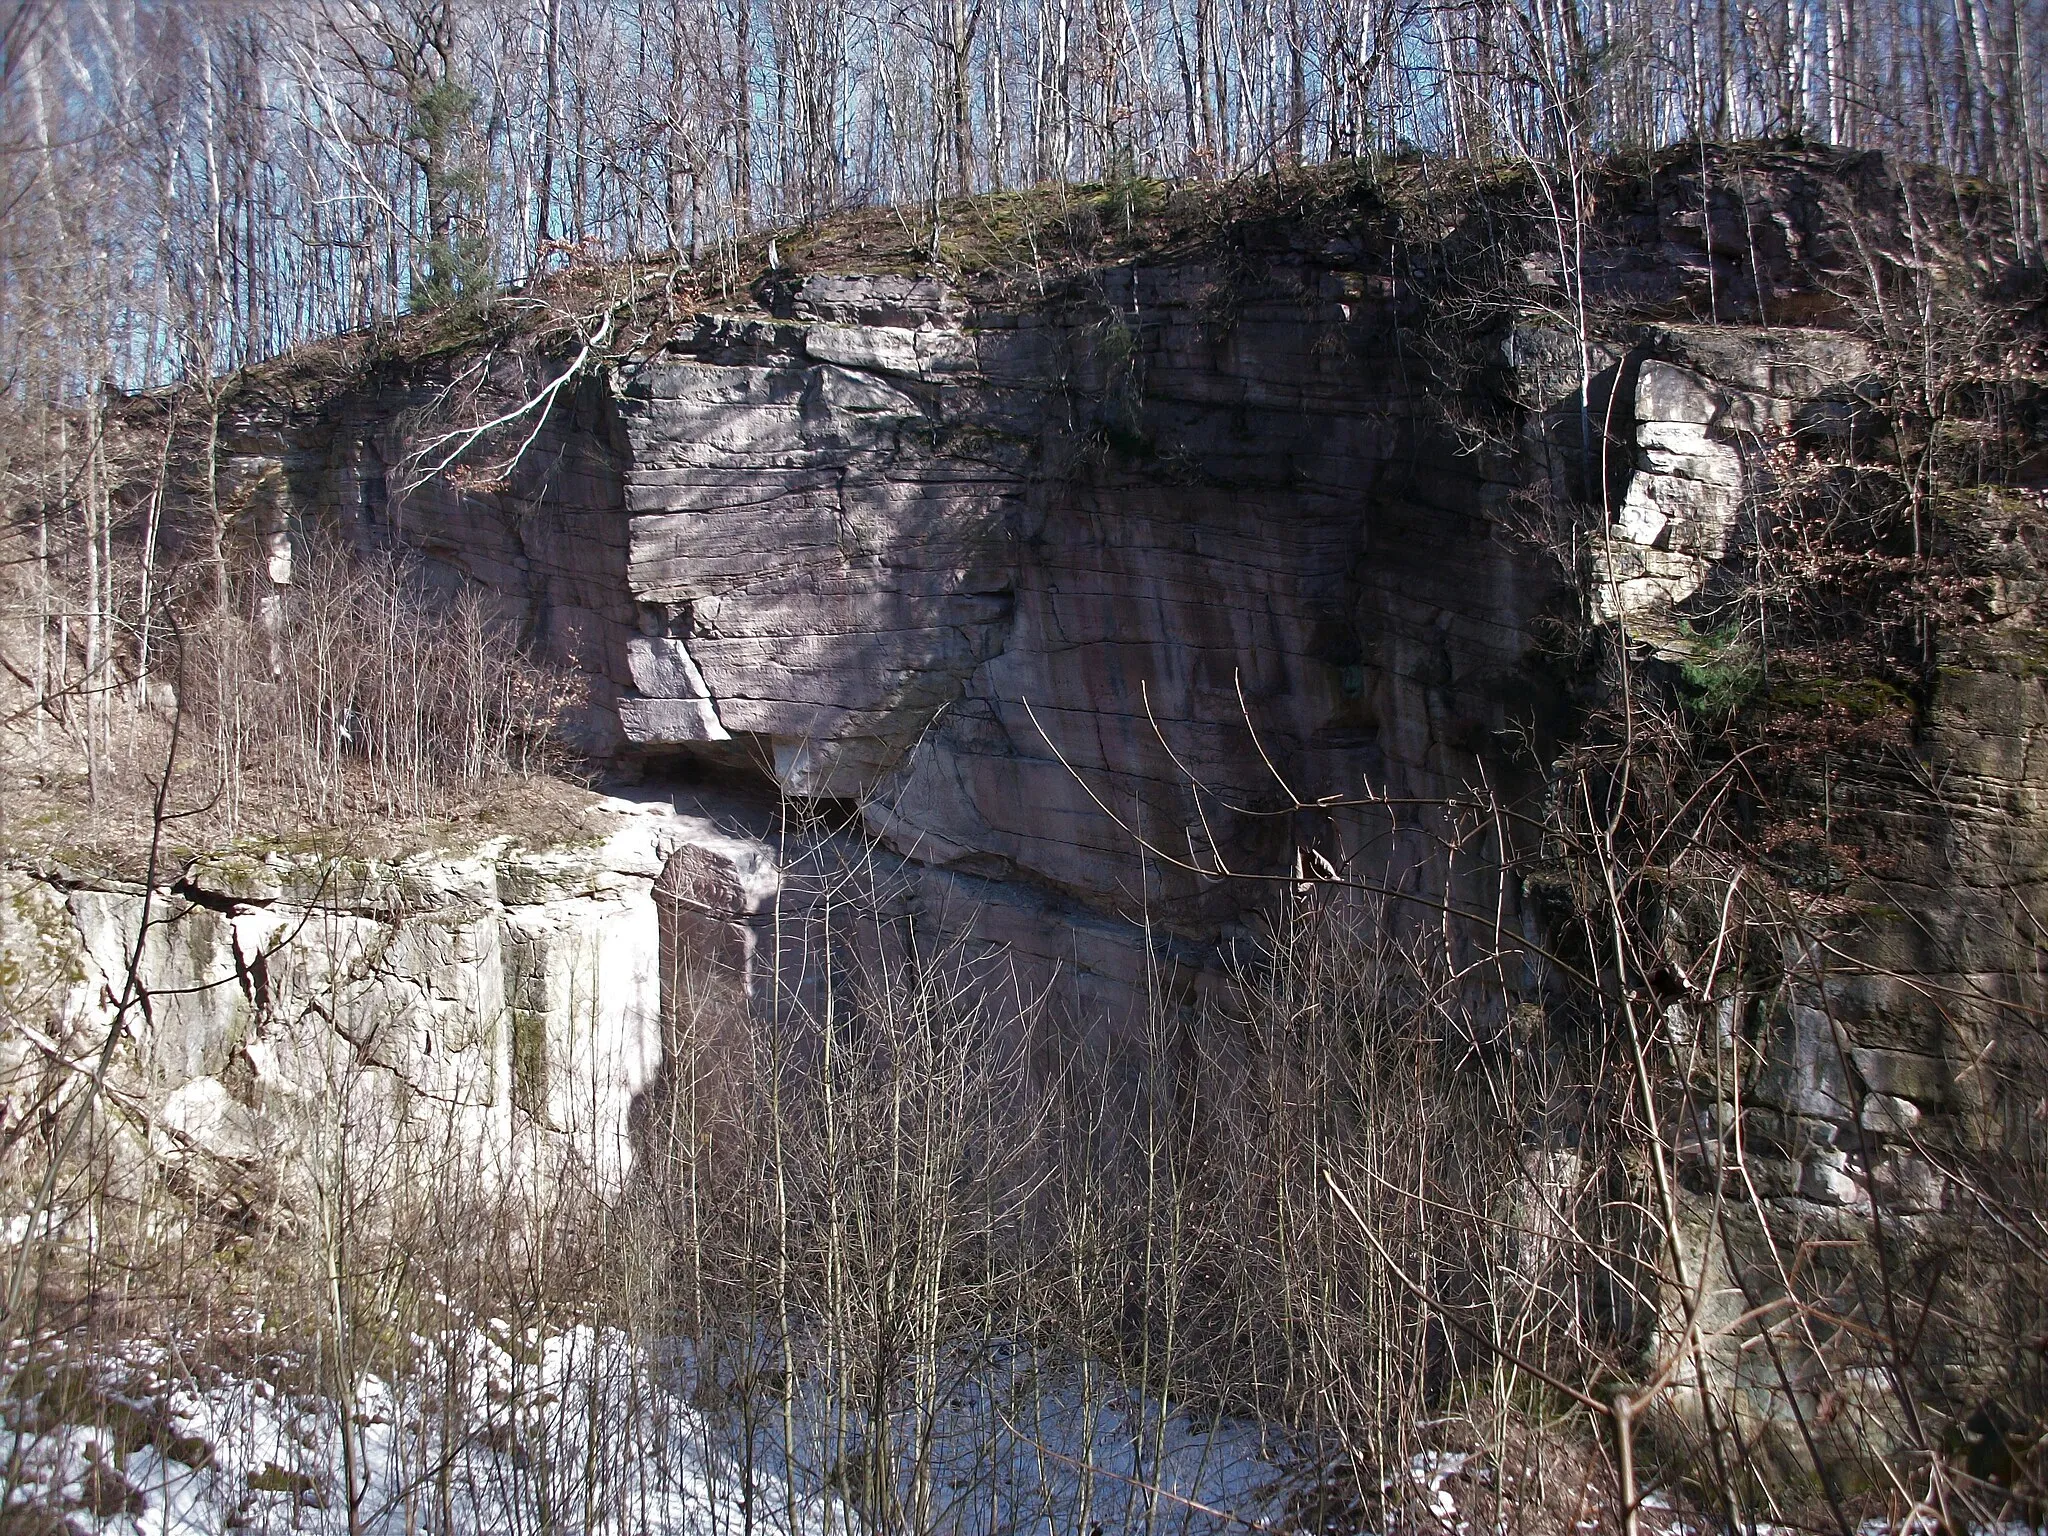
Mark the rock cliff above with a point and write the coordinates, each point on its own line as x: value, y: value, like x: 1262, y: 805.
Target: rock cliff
x: 504, y: 1002
x: 1236, y: 548
x: 1027, y: 571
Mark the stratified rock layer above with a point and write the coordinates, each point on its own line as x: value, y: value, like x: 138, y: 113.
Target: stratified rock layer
x: 1161, y: 556
x: 258, y: 1003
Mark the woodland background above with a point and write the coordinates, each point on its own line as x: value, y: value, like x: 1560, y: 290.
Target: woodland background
x: 188, y: 188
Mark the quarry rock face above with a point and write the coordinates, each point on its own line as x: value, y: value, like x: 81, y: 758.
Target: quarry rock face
x: 1085, y: 600
x: 1710, y: 403
x: 506, y: 1001
x: 1094, y: 614
x: 1032, y: 585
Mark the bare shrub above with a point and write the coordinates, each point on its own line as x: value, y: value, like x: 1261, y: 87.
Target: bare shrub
x: 361, y: 690
x: 1334, y: 1204
x: 361, y: 694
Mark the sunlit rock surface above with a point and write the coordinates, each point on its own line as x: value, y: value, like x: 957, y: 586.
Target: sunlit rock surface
x: 1069, y: 604
x: 266, y: 1000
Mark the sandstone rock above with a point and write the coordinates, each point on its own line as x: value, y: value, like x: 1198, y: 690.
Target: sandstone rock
x: 879, y: 300
x: 1889, y: 1115
x: 670, y: 722
x: 1637, y: 583
x: 1680, y: 511
x: 1667, y: 393
x: 892, y: 350
x: 1707, y: 401
x: 1909, y: 1184
x: 1022, y: 583
x: 521, y: 994
x: 1026, y: 578
x: 185, y: 961
x: 1804, y: 1071
x: 720, y: 874
x: 661, y: 666
x: 1825, y: 1177
x: 1904, y: 1075
x: 202, y: 1116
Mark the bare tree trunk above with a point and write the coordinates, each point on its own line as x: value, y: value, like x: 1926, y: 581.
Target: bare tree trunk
x: 960, y: 17
x: 543, y: 232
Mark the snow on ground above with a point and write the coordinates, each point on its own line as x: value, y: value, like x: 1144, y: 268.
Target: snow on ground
x: 587, y: 1430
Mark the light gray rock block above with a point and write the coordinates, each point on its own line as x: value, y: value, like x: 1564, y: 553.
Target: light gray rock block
x: 506, y: 1004
x: 662, y: 668
x: 886, y: 348
x: 666, y: 722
